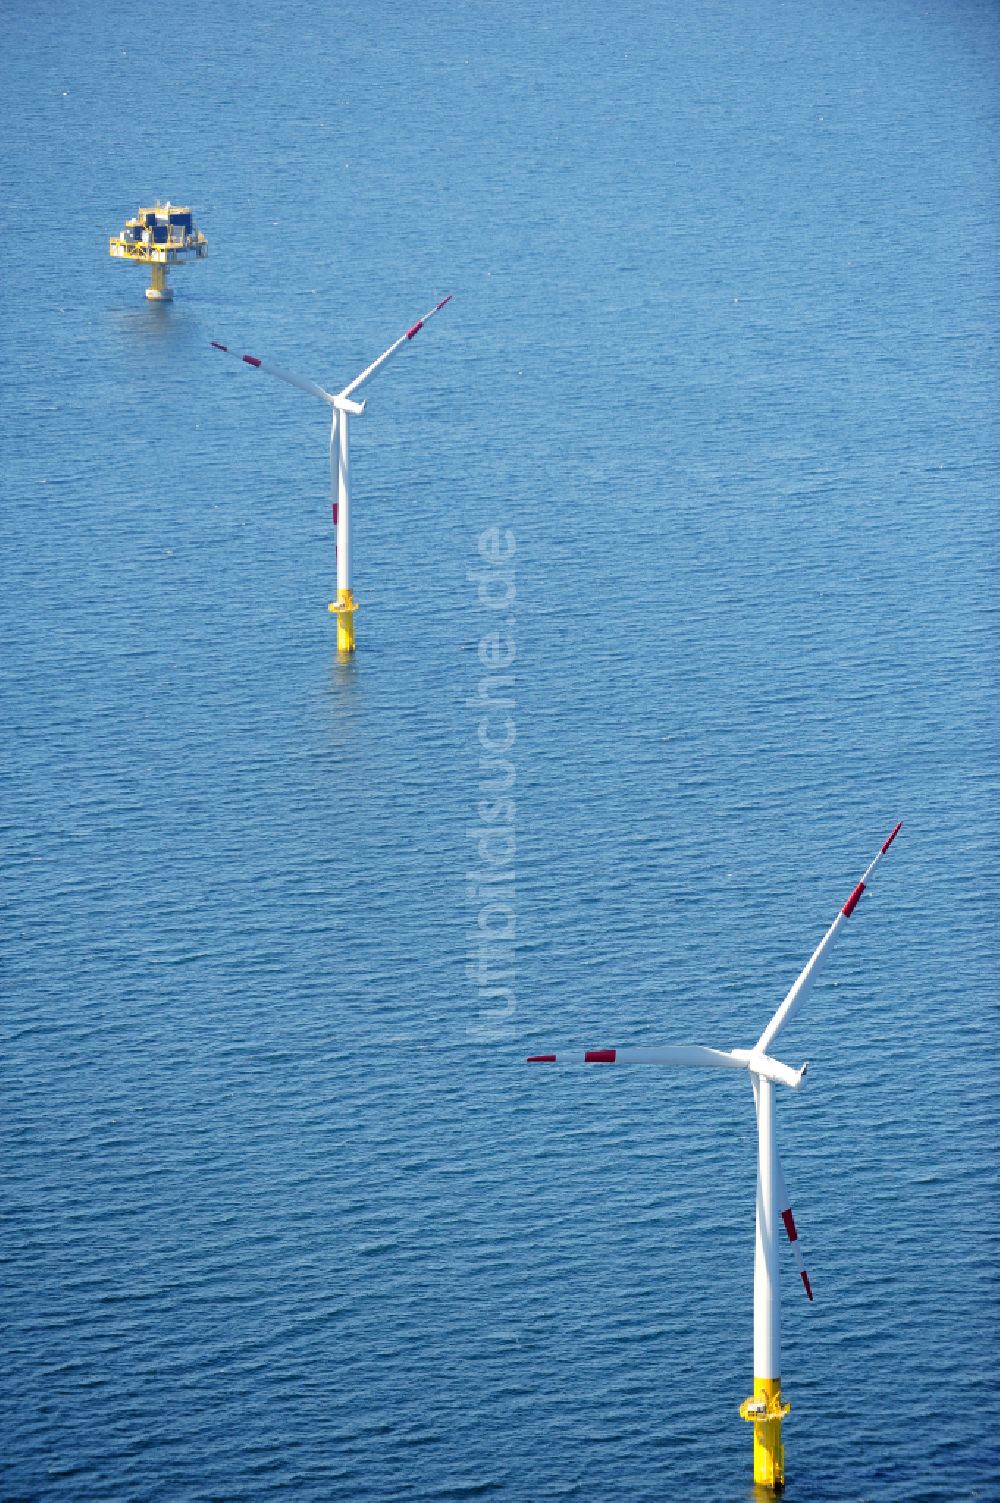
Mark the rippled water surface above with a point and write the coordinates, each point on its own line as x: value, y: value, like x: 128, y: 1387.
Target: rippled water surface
x: 284, y: 1213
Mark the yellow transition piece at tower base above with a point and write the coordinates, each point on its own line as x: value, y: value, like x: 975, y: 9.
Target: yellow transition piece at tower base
x: 765, y: 1411
x: 343, y: 608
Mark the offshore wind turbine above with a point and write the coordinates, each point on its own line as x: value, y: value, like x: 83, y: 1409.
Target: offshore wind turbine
x: 765, y: 1408
x: 343, y: 405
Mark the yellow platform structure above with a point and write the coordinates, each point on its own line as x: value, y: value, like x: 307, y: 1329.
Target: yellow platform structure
x: 160, y: 237
x: 765, y: 1409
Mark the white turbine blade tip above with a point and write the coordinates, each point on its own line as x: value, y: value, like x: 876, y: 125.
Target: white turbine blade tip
x: 406, y: 338
x: 248, y: 359
x: 807, y: 975
x: 793, y: 1236
x: 892, y: 837
x: 421, y: 321
x: 589, y: 1057
x: 272, y: 370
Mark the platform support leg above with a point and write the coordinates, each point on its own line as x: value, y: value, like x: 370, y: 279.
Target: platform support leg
x: 159, y: 289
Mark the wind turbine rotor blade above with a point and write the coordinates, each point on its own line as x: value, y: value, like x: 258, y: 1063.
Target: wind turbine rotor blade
x: 667, y: 1054
x: 788, y: 1219
x: 272, y: 370
x: 807, y: 976
x: 785, y: 1206
x: 406, y: 338
x: 696, y: 1055
x: 334, y: 451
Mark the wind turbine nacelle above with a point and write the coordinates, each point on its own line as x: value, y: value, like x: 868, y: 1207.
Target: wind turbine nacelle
x: 772, y: 1069
x: 344, y: 404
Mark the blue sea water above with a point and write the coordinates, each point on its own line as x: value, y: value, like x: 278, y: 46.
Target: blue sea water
x: 284, y: 1214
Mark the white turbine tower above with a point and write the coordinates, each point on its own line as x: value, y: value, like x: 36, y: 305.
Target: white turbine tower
x: 764, y: 1408
x: 343, y: 405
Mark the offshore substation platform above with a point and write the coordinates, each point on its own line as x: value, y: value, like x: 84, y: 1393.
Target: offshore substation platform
x: 163, y: 236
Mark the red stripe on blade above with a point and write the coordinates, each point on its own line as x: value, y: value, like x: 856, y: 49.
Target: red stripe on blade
x: 217, y: 346
x: 335, y: 509
x: 805, y: 1280
x: 789, y: 1221
x: 443, y: 301
x: 600, y: 1056
x: 853, y: 900
x: 252, y: 360
x: 892, y: 837
x: 416, y: 329
x: 541, y: 1059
